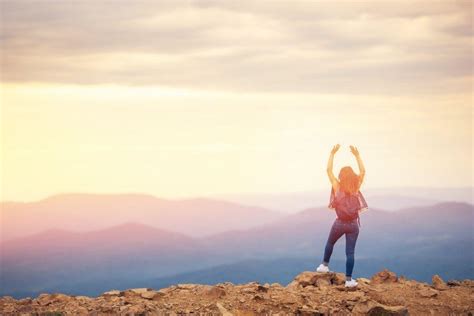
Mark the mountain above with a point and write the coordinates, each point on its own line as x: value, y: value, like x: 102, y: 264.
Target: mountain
x: 310, y: 293
x: 414, y: 241
x: 388, y: 199
x: 412, y: 230
x: 128, y: 254
x: 85, y: 212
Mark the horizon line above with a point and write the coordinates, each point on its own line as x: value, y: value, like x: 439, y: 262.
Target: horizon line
x: 217, y: 195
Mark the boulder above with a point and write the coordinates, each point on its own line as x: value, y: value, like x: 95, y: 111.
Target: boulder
x: 384, y: 276
x: 317, y: 279
x: 438, y: 283
x: 307, y: 278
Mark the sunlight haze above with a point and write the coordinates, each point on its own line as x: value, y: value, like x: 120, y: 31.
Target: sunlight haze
x: 232, y: 98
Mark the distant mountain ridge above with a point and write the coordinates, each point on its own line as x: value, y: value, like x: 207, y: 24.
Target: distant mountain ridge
x: 388, y: 199
x: 131, y: 254
x: 84, y: 212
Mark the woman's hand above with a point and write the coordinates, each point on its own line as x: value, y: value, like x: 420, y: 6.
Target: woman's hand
x: 335, y: 149
x: 354, y: 151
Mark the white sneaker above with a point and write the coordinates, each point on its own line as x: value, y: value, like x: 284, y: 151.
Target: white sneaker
x: 351, y: 283
x: 322, y: 268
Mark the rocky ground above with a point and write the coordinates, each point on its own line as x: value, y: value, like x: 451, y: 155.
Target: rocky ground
x: 311, y: 293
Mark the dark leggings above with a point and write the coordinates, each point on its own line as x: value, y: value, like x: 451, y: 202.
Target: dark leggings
x: 339, y: 228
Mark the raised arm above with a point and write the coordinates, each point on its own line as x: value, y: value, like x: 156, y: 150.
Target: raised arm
x: 359, y: 163
x: 331, y: 176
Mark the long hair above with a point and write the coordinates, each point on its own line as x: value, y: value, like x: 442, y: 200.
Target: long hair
x: 348, y: 180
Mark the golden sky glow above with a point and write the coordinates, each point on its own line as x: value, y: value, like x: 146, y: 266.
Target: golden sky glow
x: 250, y: 98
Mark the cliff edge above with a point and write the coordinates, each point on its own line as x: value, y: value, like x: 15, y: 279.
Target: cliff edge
x: 310, y: 293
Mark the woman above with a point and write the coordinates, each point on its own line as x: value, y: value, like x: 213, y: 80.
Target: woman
x: 348, y: 185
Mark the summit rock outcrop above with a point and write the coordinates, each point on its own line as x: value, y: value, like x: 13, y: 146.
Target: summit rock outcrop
x: 310, y: 293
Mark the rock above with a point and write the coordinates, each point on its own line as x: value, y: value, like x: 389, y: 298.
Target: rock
x: 355, y: 296
x: 47, y: 299
x: 262, y: 288
x: 258, y: 298
x: 165, y: 291
x: 294, y: 286
x: 223, y: 310
x: 323, y: 282
x: 377, y: 309
x: 150, y: 295
x: 363, y: 281
x: 385, y: 310
x: 308, y: 311
x: 140, y: 290
x: 215, y: 292
x: 428, y: 292
x: 254, y: 287
x: 453, y: 283
x: 318, y: 279
x: 25, y: 301
x: 8, y: 298
x: 187, y: 286
x: 339, y: 279
x: 288, y: 299
x: 310, y: 288
x: 467, y: 283
x: 112, y: 293
x: 323, y: 279
x: 44, y: 299
x: 384, y: 276
x: 306, y: 278
x: 320, y: 296
x: 438, y: 283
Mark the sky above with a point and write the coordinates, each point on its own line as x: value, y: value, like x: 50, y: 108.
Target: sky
x: 183, y: 99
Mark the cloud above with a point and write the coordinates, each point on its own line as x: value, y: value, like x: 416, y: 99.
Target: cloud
x: 334, y: 47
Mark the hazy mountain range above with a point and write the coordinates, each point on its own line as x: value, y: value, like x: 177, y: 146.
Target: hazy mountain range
x: 388, y: 199
x: 85, y: 212
x: 416, y: 241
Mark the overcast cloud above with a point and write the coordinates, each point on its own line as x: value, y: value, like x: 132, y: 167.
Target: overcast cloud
x: 332, y: 47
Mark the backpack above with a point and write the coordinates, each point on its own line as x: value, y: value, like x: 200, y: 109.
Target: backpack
x: 347, y: 206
